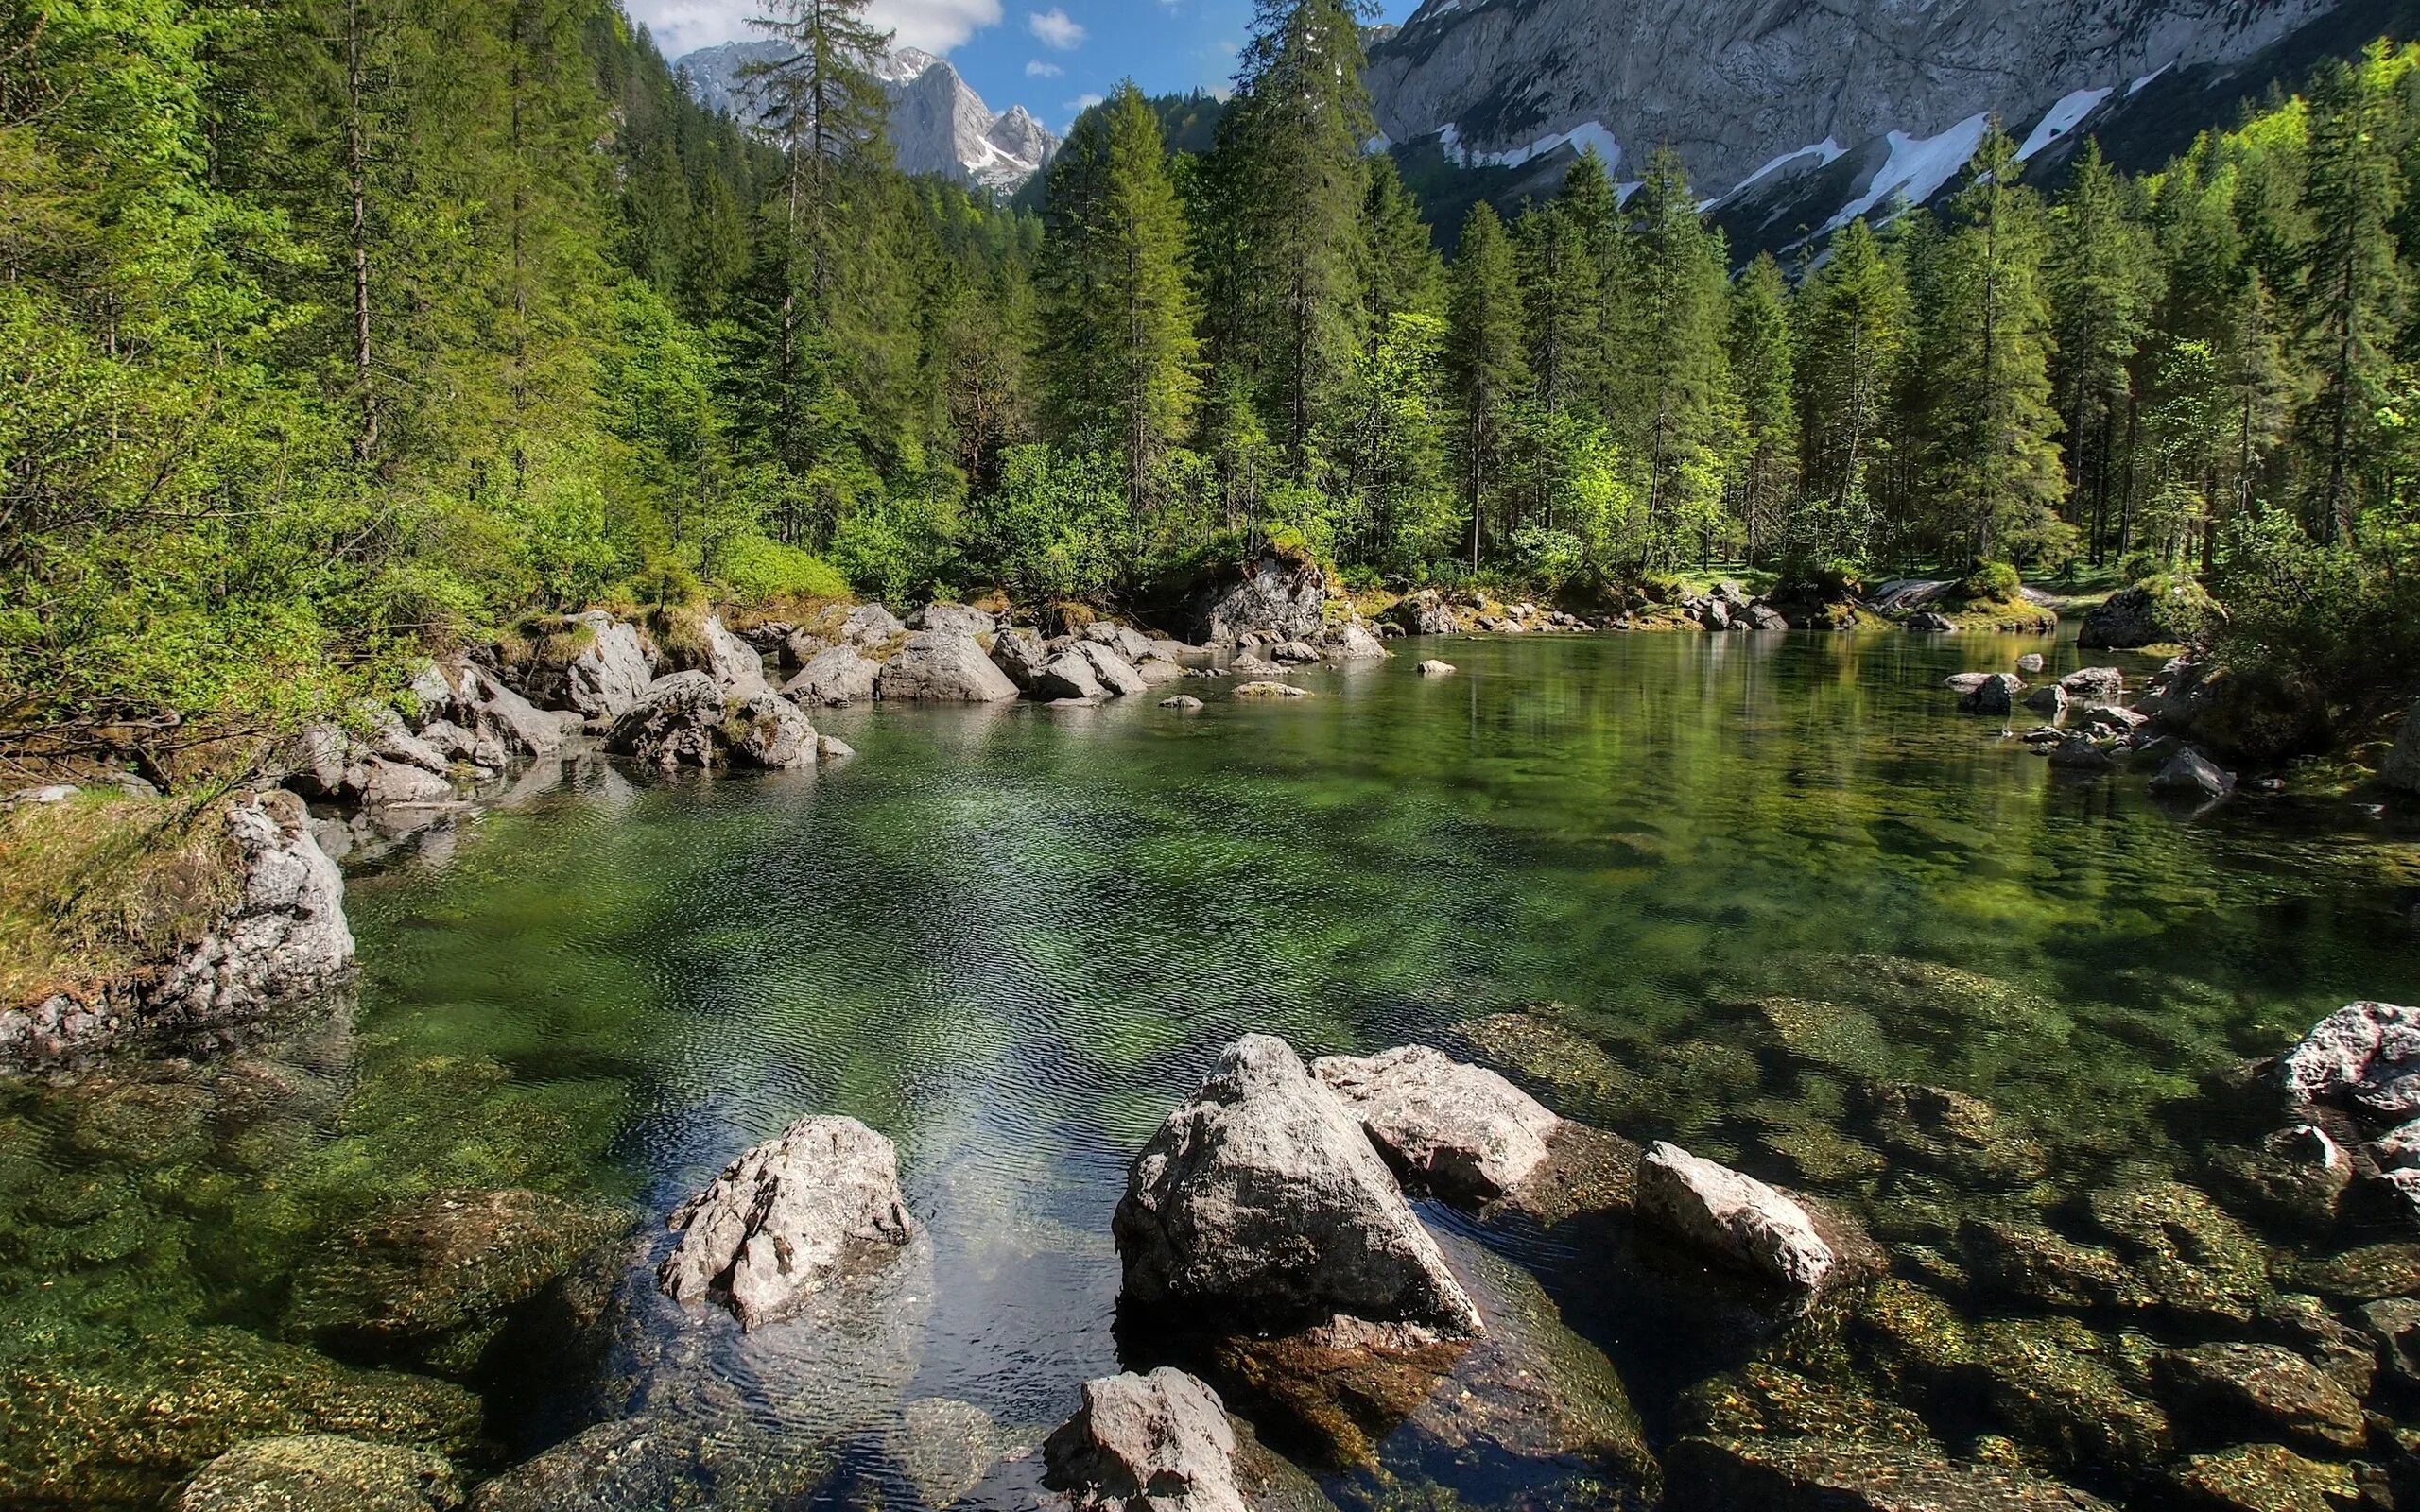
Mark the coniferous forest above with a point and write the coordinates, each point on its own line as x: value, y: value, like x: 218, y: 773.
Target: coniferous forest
x: 335, y: 330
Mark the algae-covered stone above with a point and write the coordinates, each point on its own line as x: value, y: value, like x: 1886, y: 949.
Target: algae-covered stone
x: 1832, y: 1475
x: 1909, y: 1337
x: 1964, y: 1138
x: 943, y: 1446
x: 2266, y: 1386
x: 1823, y: 1156
x: 659, y: 1463
x: 2195, y: 1259
x: 2368, y: 1274
x: 323, y: 1472
x: 1762, y: 1401
x: 1576, y: 1074
x: 2265, y: 1478
x: 2051, y: 1390
x: 1897, y: 989
x: 1828, y: 1034
x: 436, y: 1281
x: 2027, y: 1262
x: 2295, y: 1176
x: 126, y: 1421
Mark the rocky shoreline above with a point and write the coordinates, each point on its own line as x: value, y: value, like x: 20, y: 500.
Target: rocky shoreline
x: 1300, y: 1331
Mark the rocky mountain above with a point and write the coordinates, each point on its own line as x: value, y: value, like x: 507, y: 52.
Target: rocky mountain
x: 937, y: 123
x: 1794, y: 118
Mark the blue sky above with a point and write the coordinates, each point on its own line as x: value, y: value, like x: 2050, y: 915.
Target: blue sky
x: 1050, y: 56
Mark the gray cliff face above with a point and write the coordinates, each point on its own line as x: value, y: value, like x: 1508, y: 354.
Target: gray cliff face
x: 938, y: 125
x: 1856, y: 101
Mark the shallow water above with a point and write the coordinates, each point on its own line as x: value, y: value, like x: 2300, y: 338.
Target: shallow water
x: 1011, y: 938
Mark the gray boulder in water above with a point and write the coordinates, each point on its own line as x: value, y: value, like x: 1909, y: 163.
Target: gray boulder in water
x: 2366, y: 1054
x: 2191, y: 775
x: 286, y: 938
x: 609, y: 673
x: 1020, y: 653
x: 1145, y: 1443
x: 946, y: 666
x: 787, y: 1217
x: 766, y: 730
x: 2095, y: 684
x: 1460, y: 1130
x: 675, y: 723
x: 1734, y: 1217
x: 836, y: 675
x: 1114, y: 673
x: 1262, y: 1200
x: 1277, y: 599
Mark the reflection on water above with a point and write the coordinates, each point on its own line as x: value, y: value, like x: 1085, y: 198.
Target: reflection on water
x: 1740, y: 880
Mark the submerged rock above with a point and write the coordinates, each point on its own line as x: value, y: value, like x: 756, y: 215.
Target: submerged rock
x: 2295, y: 1176
x: 943, y: 1446
x: 1764, y: 1400
x: 434, y: 1281
x: 2055, y: 1386
x: 1737, y: 1218
x: 1836, y: 1475
x: 1145, y: 1443
x: 1458, y: 1130
x: 2267, y: 1388
x: 2195, y: 1260
x: 1964, y: 1138
x: 785, y: 1219
x: 1262, y: 1197
x: 1269, y: 690
x: 1183, y: 702
x: 2265, y: 1478
x: 125, y: 1421
x: 1434, y: 669
x: 323, y: 1472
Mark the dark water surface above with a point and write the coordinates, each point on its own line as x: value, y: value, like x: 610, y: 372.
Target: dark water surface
x: 1011, y: 938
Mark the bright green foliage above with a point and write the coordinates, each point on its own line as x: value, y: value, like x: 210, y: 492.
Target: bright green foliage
x: 1852, y: 339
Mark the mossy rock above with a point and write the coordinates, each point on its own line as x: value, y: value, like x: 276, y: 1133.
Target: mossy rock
x: 2266, y: 1387
x: 1962, y: 1138
x: 2030, y: 1263
x: 1761, y: 1400
x: 123, y: 1422
x: 2264, y: 1478
x: 2054, y: 1386
x: 1910, y: 1338
x: 1833, y: 1475
x: 659, y: 1463
x: 141, y: 1123
x: 2196, y: 1261
x: 1828, y: 1034
x: 1822, y: 1157
x: 1899, y: 988
x: 323, y: 1472
x: 2372, y: 1273
x: 1576, y: 1074
x: 436, y: 1281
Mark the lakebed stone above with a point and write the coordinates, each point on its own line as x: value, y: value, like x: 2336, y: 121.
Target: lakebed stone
x: 323, y: 1472
x: 1147, y: 1443
x: 1837, y: 1475
x: 785, y: 1219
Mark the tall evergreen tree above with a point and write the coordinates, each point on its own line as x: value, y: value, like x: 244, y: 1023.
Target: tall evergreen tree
x: 1485, y: 357
x: 1564, y: 303
x: 2105, y: 278
x: 1762, y: 370
x: 1853, y: 338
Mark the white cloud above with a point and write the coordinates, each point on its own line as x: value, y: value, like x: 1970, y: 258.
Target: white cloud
x: 1055, y: 30
x: 936, y: 25
x: 1038, y: 69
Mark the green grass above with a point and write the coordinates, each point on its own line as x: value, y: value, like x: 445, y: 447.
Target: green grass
x: 94, y: 889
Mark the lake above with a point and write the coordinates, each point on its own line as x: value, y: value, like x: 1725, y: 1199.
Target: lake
x: 1704, y: 889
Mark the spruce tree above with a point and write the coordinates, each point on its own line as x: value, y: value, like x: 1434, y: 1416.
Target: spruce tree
x: 1485, y: 357
x: 2104, y: 277
x: 1563, y: 300
x: 1405, y: 276
x: 1762, y: 369
x: 1853, y: 339
x: 1995, y: 468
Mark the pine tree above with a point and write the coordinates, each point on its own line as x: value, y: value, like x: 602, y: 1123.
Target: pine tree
x: 1852, y: 340
x: 1671, y: 401
x: 2352, y: 290
x: 1761, y: 368
x: 1302, y: 115
x: 1564, y: 308
x: 2104, y: 277
x: 1406, y: 276
x: 1485, y: 357
x: 1123, y: 354
x: 1994, y: 465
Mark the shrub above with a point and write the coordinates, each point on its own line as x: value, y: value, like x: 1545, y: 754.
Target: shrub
x: 1807, y: 575
x: 758, y: 570
x: 1992, y: 582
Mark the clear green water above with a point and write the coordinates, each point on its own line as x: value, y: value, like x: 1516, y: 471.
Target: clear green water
x: 1011, y: 938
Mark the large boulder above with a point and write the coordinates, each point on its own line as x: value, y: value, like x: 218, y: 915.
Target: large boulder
x: 1020, y: 653
x: 1114, y: 673
x: 435, y: 1281
x: 946, y: 667
x: 1263, y: 1199
x: 2193, y: 776
x: 1069, y: 675
x: 2401, y: 770
x: 1458, y: 1130
x: 787, y: 1218
x: 286, y: 938
x: 871, y: 625
x: 1837, y: 1475
x: 1734, y: 1218
x: 1994, y: 693
x: 676, y: 722
x: 516, y: 724
x: 607, y: 672
x: 2365, y: 1054
x: 323, y: 1472
x: 1145, y: 1443
x: 835, y: 676
x: 1279, y: 598
x: 766, y: 730
x: 957, y: 619
x: 1353, y: 641
x: 736, y: 666
x: 2094, y: 684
